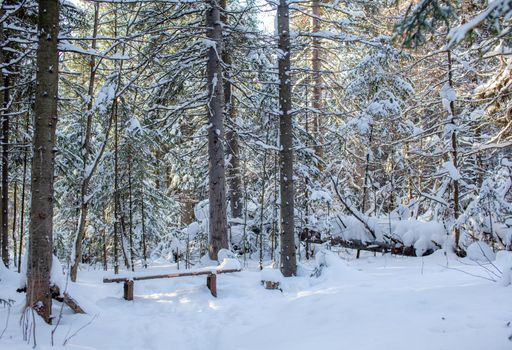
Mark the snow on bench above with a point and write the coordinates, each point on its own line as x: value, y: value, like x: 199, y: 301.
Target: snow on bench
x: 211, y: 279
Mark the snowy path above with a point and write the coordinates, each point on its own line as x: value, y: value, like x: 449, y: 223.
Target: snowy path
x: 372, y: 303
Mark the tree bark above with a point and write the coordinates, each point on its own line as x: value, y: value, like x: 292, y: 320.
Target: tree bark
x: 130, y: 210
x: 316, y: 65
x: 4, y: 100
x: 456, y: 229
x: 142, y: 217
x: 234, y: 177
x: 218, y: 236
x: 288, y: 255
x: 5, y: 176
x: 41, y: 208
x: 23, y: 191
x: 116, y: 189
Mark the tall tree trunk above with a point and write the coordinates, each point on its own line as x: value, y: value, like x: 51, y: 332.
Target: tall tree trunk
x: 43, y: 161
x: 316, y: 65
x: 116, y: 189
x: 233, y: 152
x: 218, y: 237
x: 86, y: 151
x: 105, y: 241
x: 13, y: 232
x: 4, y: 100
x: 143, y: 223
x: 366, y: 178
x: 234, y: 177
x: 288, y: 255
x: 5, y: 174
x: 23, y: 191
x: 262, y: 201
x: 454, y: 153
x: 130, y: 210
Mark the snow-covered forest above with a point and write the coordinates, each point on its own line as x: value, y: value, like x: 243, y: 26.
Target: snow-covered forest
x: 339, y: 171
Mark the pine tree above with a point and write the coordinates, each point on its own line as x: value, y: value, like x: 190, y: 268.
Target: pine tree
x: 43, y: 161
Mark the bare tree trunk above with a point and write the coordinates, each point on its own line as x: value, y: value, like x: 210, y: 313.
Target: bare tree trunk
x: 41, y: 208
x: 130, y: 210
x: 105, y: 239
x: 86, y: 151
x: 456, y: 229
x: 23, y: 191
x: 234, y: 175
x: 14, y: 217
x: 262, y: 201
x: 233, y: 149
x: 366, y: 183
x: 316, y: 64
x: 5, y: 174
x: 4, y: 101
x: 187, y: 207
x: 143, y: 223
x: 217, y: 184
x: 116, y: 189
x: 288, y: 255
x: 273, y: 241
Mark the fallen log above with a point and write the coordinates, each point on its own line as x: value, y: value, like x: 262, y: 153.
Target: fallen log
x: 380, y: 247
x: 63, y: 298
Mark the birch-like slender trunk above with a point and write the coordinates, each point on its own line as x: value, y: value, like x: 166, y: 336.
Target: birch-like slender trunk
x: 86, y: 152
x: 43, y: 162
x: 454, y: 155
x: 143, y: 222
x: 23, y: 192
x: 218, y: 235
x: 288, y: 254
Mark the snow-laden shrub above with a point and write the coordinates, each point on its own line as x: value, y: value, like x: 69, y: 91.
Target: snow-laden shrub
x: 230, y: 264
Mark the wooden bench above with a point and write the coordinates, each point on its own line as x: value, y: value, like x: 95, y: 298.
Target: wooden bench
x: 211, y: 280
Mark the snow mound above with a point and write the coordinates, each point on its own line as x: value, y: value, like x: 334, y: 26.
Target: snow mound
x: 330, y: 266
x: 225, y: 254
x: 479, y: 251
x: 419, y: 234
x: 271, y: 274
x: 57, y: 276
x: 206, y: 261
x: 9, y: 282
x: 504, y: 261
x: 229, y: 264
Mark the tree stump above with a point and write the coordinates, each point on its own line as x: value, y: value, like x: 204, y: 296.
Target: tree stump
x: 271, y: 285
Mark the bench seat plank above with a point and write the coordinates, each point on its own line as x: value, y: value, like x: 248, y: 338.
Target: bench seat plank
x: 211, y: 280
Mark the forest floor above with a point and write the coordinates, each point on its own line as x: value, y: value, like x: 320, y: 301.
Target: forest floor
x: 382, y: 302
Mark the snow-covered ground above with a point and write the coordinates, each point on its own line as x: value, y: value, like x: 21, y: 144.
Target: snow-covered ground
x: 383, y: 302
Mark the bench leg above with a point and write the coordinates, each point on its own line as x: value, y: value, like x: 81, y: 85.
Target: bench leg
x: 128, y: 290
x: 211, y: 282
